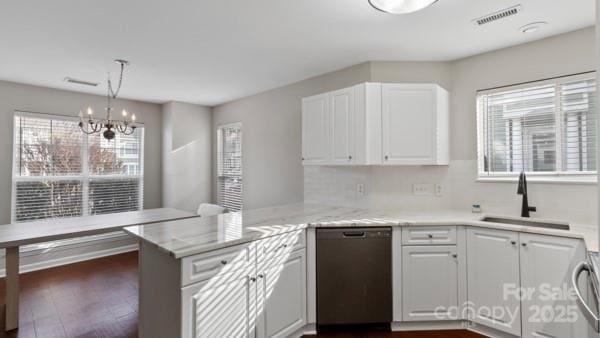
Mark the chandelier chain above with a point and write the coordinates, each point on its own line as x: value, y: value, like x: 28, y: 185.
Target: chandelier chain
x: 110, y: 88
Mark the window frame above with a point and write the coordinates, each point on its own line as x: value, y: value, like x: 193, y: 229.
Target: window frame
x: 558, y: 176
x: 219, y: 160
x: 84, y: 177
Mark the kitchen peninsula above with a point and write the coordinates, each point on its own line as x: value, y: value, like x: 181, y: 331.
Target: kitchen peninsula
x: 252, y: 273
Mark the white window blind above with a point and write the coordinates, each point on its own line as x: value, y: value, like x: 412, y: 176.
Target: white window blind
x: 545, y: 128
x: 60, y: 172
x: 229, y: 166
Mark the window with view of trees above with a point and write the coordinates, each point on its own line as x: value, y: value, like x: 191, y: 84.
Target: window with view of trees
x: 60, y: 172
x: 545, y: 128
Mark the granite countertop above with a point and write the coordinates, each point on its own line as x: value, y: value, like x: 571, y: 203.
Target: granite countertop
x: 197, y: 235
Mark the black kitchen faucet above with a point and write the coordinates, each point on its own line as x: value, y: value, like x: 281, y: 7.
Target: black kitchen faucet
x: 522, y: 190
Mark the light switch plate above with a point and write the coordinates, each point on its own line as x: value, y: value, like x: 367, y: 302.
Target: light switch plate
x: 422, y: 189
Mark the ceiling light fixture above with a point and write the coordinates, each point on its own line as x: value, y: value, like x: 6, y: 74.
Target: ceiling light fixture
x: 533, y: 27
x: 126, y: 126
x: 401, y: 6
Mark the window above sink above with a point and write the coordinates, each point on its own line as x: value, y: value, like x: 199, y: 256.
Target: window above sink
x: 546, y: 128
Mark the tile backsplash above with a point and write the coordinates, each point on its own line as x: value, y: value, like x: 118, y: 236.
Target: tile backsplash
x: 392, y: 188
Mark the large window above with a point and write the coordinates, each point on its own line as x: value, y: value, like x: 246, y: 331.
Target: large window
x: 229, y: 166
x: 546, y: 128
x: 60, y: 172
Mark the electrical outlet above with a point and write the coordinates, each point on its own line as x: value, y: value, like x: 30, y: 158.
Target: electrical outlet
x: 439, y: 190
x: 360, y: 189
x: 422, y: 189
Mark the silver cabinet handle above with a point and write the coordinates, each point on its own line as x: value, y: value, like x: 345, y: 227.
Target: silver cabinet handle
x: 524, y: 244
x: 224, y: 262
x: 385, y: 157
x: 430, y: 235
x: 261, y: 276
x: 252, y: 279
x: 455, y: 255
x: 349, y: 158
x: 581, y: 267
x: 513, y: 242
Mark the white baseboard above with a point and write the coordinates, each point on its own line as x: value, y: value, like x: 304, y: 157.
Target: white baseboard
x: 306, y: 329
x: 489, y: 332
x: 45, y: 264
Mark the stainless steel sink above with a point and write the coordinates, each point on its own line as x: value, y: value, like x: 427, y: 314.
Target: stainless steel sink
x: 527, y: 222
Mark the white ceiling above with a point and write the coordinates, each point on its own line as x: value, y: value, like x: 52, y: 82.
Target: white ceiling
x: 210, y: 52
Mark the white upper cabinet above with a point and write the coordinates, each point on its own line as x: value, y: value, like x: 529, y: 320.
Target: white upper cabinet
x: 376, y: 124
x: 315, y: 129
x: 342, y: 131
x: 414, y: 124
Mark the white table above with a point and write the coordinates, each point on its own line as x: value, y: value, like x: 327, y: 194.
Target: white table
x: 12, y: 236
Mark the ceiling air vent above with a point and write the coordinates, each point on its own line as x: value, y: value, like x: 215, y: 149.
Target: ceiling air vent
x: 80, y: 82
x: 498, y: 15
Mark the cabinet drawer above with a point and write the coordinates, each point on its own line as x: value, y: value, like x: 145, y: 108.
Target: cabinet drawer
x: 207, y: 265
x: 281, y: 245
x: 429, y: 235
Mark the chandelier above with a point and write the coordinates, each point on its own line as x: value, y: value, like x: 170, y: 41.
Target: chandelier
x: 107, y: 126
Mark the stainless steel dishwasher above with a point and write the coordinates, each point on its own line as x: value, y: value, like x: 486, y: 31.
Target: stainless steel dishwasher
x: 354, y: 275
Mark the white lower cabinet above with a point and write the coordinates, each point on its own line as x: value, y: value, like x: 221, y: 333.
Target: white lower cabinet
x: 549, y: 309
x: 516, y: 283
x: 264, y: 299
x: 429, y: 282
x: 520, y: 283
x: 492, y: 265
x: 281, y: 297
x: 219, y: 307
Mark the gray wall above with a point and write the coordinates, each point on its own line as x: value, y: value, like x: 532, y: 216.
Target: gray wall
x: 597, y: 206
x: 271, y: 129
x: 52, y: 101
x: 412, y: 72
x: 186, y: 155
x: 558, y: 55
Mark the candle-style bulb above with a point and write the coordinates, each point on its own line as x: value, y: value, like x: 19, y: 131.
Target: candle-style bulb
x: 80, y: 114
x: 90, y: 111
x: 133, y: 117
x: 124, y: 113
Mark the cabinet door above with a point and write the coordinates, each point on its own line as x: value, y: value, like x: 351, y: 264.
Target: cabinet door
x: 315, y: 129
x: 409, y: 124
x: 282, y: 297
x: 342, y: 131
x: 492, y: 265
x: 546, y: 266
x: 429, y: 282
x: 222, y: 306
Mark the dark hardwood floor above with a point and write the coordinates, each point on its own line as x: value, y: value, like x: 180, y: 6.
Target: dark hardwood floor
x: 98, y: 298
